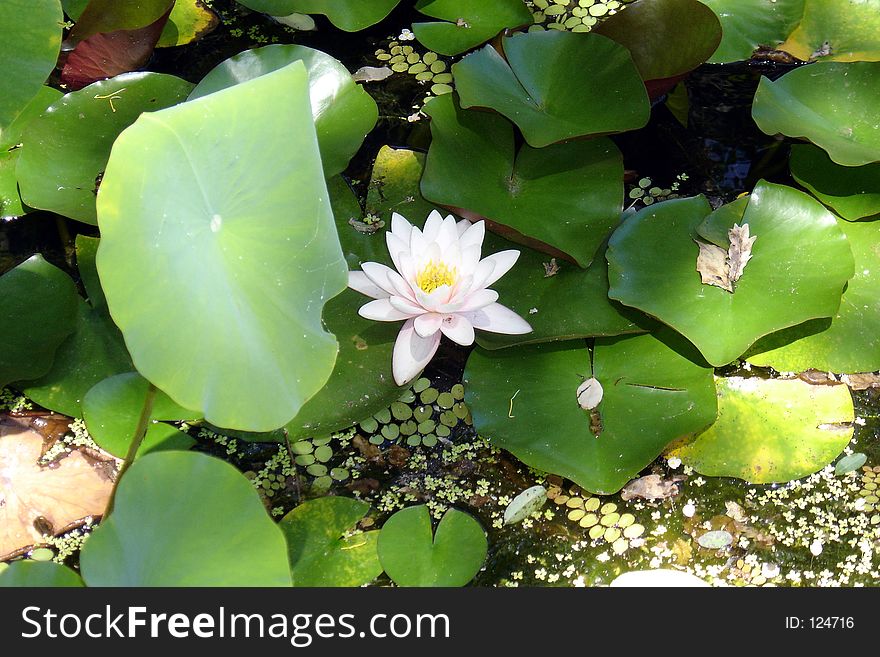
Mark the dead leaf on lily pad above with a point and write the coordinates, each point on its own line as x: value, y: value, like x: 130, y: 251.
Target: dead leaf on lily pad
x: 713, y: 267
x: 724, y: 268
x: 37, y: 499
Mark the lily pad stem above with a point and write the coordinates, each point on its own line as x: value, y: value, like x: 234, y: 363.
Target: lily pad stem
x: 136, y: 440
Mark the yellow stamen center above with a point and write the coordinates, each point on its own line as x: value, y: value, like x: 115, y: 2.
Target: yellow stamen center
x: 435, y: 275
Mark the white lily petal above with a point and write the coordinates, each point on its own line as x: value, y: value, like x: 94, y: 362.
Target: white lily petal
x: 503, y: 260
x: 381, y: 310
x: 407, y: 267
x: 482, y: 273
x: 458, y: 329
x: 462, y: 226
x: 432, y: 226
x: 447, y: 235
x: 436, y: 300
x: 474, y: 235
x: 478, y: 299
x: 378, y: 273
x: 400, y: 227
x: 470, y: 258
x: 396, y: 247
x: 498, y: 319
x: 359, y: 281
x: 428, y: 324
x: 418, y: 245
x: 412, y: 353
x: 401, y: 287
x: 405, y: 306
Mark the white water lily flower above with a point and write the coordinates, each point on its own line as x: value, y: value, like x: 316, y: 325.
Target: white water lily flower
x: 440, y: 287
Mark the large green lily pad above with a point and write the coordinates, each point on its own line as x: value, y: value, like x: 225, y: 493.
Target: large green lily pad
x: 252, y: 237
x: 320, y: 553
x: 852, y: 341
x: 413, y: 555
x: 185, y: 519
x: 568, y: 196
x: 112, y: 408
x: 800, y: 263
x: 747, y: 24
x: 525, y: 401
x: 648, y: 29
x: 852, y: 192
x: 772, y: 430
x: 465, y: 24
x: 37, y: 314
x: 361, y: 383
x: 93, y: 352
x: 832, y: 104
x: 348, y: 15
x: 39, y: 574
x: 850, y: 28
x: 30, y: 40
x: 556, y: 85
x: 560, y: 300
x: 343, y: 112
x: 65, y: 149
x: 10, y: 138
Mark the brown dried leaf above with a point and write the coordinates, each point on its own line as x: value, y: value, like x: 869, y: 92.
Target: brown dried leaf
x: 724, y: 268
x: 861, y: 381
x: 713, y: 267
x: 651, y: 487
x: 740, y: 251
x: 35, y: 498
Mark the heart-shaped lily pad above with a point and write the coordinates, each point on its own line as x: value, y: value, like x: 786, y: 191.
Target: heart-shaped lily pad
x: 800, y: 263
x: 465, y: 24
x: 320, y: 552
x: 185, y: 519
x: 568, y: 196
x: 65, y: 149
x: 348, y: 15
x: 748, y: 24
x: 852, y: 192
x: 94, y: 351
x: 10, y: 138
x: 560, y: 300
x: 246, y: 192
x: 38, y: 312
x: 30, y: 39
x: 343, y: 112
x: 772, y: 430
x: 849, y: 31
x: 112, y: 408
x: 556, y: 85
x: 648, y: 28
x: 413, y: 555
x: 832, y: 104
x: 42, y: 574
x: 525, y: 401
x: 852, y: 341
